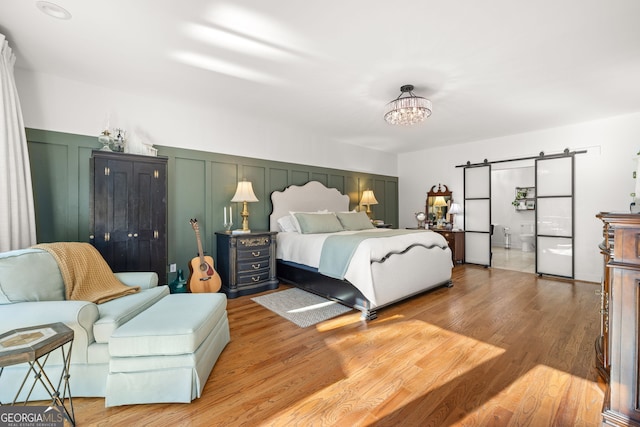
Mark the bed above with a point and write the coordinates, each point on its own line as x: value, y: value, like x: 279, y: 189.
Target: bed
x: 386, y: 266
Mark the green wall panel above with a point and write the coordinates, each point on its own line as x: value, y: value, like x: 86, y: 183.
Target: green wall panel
x: 321, y: 177
x: 200, y: 185
x: 188, y: 201
x: 336, y: 181
x: 49, y: 163
x: 299, y: 177
x: 278, y: 179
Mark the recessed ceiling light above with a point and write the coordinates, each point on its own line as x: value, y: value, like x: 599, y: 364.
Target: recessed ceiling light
x: 53, y: 10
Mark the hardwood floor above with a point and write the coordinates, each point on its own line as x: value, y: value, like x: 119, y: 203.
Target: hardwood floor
x: 499, y: 348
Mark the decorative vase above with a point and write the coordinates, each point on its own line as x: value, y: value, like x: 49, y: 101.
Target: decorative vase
x: 179, y: 284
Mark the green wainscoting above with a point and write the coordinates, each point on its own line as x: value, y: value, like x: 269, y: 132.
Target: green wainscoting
x: 200, y: 186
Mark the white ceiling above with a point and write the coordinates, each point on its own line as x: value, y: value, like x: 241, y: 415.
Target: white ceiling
x: 490, y: 67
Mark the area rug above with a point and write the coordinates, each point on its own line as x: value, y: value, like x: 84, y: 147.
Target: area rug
x: 300, y: 307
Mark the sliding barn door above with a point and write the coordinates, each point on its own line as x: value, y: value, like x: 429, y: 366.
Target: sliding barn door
x: 477, y: 215
x: 554, y: 216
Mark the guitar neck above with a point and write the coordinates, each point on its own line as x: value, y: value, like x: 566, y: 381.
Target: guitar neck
x: 200, y: 252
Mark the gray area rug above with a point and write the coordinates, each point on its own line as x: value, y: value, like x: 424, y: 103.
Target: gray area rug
x: 300, y: 307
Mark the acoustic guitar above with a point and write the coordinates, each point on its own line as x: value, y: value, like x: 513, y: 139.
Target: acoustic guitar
x: 203, y: 277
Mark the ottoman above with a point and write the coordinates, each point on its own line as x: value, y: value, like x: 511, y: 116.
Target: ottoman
x: 166, y: 353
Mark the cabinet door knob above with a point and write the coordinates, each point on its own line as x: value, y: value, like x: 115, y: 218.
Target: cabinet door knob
x: 129, y: 235
x: 135, y: 234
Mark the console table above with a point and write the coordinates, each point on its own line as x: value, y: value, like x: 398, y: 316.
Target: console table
x: 33, y: 345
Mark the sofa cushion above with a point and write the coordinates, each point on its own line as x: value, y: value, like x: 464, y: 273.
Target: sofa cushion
x: 119, y: 311
x: 164, y: 329
x: 29, y: 275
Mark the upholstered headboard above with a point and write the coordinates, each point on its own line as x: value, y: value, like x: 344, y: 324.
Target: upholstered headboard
x: 311, y: 197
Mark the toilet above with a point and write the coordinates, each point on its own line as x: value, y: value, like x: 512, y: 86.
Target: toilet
x: 527, y: 236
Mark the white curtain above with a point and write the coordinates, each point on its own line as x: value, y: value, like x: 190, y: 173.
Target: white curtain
x: 17, y: 214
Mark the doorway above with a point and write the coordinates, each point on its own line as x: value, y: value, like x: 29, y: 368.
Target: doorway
x: 549, y: 198
x: 513, y: 216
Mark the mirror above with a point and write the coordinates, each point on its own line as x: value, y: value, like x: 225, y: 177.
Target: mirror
x: 438, y: 205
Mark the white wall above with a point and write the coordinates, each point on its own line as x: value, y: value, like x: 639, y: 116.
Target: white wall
x: 503, y: 213
x: 53, y: 103
x: 603, y: 175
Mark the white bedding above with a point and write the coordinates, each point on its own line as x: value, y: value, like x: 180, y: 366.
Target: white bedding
x: 306, y: 249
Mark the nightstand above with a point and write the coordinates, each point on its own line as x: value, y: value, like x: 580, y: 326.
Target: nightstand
x: 247, y: 262
x: 455, y: 240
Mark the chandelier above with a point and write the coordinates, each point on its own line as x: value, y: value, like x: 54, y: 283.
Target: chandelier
x: 407, y: 110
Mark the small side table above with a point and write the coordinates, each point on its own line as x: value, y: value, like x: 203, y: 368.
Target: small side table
x: 247, y: 262
x: 33, y: 345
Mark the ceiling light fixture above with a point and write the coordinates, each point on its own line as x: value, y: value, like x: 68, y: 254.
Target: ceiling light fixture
x: 407, y: 110
x: 53, y: 10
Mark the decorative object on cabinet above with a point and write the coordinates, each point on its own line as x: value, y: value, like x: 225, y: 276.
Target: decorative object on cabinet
x: 617, y: 346
x: 106, y: 140
x: 228, y: 223
x: 244, y: 194
x: 437, y: 206
x: 119, y: 141
x: 368, y: 199
x: 408, y: 110
x: 128, y: 211
x: 421, y: 217
x: 247, y: 262
x: 455, y: 240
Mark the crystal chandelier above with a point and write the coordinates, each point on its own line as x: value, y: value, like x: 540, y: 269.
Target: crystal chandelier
x: 407, y: 110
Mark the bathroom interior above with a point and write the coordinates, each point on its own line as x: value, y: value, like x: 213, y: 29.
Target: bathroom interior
x: 513, y: 217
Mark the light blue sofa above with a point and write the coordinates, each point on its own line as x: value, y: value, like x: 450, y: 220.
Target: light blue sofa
x: 178, y: 341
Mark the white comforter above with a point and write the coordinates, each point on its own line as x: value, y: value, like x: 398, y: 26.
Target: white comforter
x: 306, y: 249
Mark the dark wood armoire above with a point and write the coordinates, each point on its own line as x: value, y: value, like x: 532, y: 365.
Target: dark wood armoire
x: 618, y: 347
x: 128, y: 217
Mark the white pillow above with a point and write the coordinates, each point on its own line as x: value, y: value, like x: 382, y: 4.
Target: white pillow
x: 318, y: 223
x: 286, y: 223
x: 295, y: 222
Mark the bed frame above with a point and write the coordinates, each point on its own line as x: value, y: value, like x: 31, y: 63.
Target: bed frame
x: 314, y: 196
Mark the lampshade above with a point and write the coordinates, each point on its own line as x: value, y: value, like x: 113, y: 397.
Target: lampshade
x: 407, y: 110
x: 455, y: 208
x: 439, y: 202
x: 368, y: 198
x: 244, y: 193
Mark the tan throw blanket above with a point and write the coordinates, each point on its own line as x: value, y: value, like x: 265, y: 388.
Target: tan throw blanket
x: 86, y: 275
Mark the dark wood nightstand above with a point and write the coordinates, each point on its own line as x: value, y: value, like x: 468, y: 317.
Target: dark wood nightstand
x: 247, y: 262
x: 455, y: 240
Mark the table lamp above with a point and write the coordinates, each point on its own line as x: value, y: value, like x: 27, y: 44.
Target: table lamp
x: 244, y: 194
x: 368, y: 199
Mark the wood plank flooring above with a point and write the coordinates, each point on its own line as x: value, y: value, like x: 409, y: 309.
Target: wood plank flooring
x: 500, y: 348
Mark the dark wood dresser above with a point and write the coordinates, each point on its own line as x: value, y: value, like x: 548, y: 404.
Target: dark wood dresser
x: 247, y: 262
x: 617, y: 348
x: 455, y: 239
x: 128, y: 211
